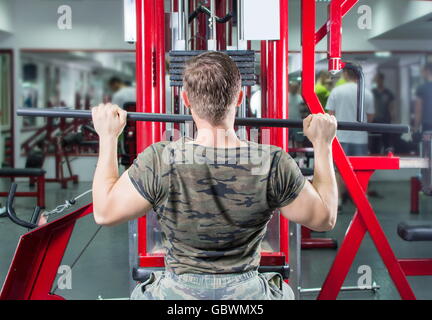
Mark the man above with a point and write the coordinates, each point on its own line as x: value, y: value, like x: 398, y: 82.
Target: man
x: 295, y: 111
x: 384, y: 108
x: 322, y: 87
x: 122, y: 92
x: 295, y: 101
x: 343, y: 104
x: 213, y: 214
x: 423, y: 105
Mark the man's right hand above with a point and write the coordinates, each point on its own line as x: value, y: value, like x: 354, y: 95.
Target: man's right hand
x: 109, y: 120
x: 320, y: 128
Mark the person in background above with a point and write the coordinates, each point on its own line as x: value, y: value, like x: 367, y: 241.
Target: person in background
x: 423, y: 104
x: 322, y: 87
x: 255, y: 101
x: 123, y: 92
x: 384, y: 107
x: 342, y: 103
x: 295, y: 103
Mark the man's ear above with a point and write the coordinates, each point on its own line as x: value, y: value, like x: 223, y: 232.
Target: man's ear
x: 185, y: 99
x: 240, y: 98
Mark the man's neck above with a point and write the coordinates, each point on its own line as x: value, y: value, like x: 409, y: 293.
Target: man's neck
x: 221, y: 136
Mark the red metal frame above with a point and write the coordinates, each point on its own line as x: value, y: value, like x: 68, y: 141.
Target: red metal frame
x: 281, y: 106
x: 355, y: 172
x: 150, y: 63
x: 149, y: 26
x: 37, y: 258
x: 39, y: 194
x: 415, y: 195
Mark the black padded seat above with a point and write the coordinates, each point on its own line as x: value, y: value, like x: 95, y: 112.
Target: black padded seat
x: 143, y: 274
x: 417, y: 232
x: 24, y: 172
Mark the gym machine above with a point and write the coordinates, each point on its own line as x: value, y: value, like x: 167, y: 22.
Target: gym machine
x: 40, y: 251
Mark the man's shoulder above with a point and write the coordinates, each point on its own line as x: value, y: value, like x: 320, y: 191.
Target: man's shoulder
x: 160, y: 146
x: 272, y: 151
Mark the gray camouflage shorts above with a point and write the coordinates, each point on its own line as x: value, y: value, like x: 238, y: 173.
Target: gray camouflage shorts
x: 245, y: 286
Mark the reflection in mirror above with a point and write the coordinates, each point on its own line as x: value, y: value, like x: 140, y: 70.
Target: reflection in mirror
x: 73, y: 80
x: 392, y: 78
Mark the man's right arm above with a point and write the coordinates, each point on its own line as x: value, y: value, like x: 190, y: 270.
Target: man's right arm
x: 316, y: 205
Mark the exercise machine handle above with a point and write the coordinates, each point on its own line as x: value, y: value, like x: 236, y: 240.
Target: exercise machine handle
x: 205, y: 10
x: 360, y: 89
x: 175, y: 118
x: 12, y: 214
x: 89, y: 129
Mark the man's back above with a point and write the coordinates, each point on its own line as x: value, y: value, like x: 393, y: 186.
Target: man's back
x: 214, y: 204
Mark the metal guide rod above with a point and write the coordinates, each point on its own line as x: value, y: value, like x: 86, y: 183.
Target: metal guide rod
x: 174, y: 118
x: 374, y: 287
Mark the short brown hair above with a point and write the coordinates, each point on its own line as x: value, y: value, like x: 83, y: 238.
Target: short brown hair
x: 212, y: 81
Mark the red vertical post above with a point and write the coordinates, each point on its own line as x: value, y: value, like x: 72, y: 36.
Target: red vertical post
x: 271, y: 87
x: 41, y: 191
x: 146, y: 62
x: 264, y: 79
x: 159, y: 34
x: 281, y: 104
x: 335, y: 36
x: 221, y: 9
x: 415, y: 189
x: 230, y: 24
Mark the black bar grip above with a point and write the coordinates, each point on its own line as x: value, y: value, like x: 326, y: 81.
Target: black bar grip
x: 284, y: 271
x: 175, y: 118
x: 205, y: 10
x: 35, y: 216
x: 11, y: 212
x: 89, y: 129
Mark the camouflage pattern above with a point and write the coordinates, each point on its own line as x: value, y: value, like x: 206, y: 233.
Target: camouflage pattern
x: 214, y: 204
x: 245, y: 286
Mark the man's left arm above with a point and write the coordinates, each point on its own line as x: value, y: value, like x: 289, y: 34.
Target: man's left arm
x: 115, y: 199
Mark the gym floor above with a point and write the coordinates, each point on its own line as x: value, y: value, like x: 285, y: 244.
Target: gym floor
x: 103, y: 270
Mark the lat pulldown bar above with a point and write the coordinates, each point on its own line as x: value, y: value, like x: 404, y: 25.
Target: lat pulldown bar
x: 174, y: 118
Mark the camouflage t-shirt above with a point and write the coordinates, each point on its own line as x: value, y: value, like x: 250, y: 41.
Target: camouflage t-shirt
x: 213, y: 204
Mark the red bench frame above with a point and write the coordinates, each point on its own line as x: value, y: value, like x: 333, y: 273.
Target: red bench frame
x: 39, y: 194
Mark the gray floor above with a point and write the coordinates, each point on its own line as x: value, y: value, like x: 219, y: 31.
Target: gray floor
x: 103, y: 269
